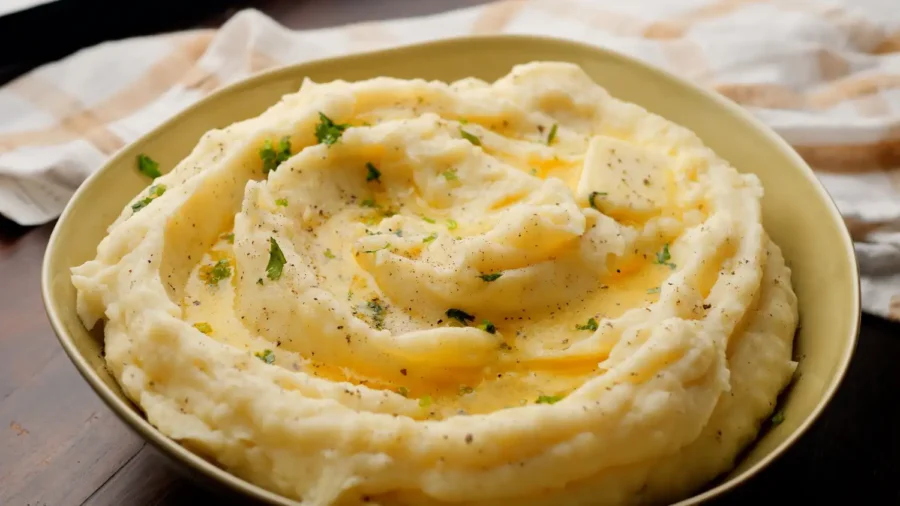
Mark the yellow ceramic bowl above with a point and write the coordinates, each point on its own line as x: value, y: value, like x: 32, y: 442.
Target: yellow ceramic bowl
x: 797, y: 213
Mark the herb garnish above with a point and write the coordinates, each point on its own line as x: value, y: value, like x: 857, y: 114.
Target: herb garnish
x: 386, y: 246
x: 549, y: 399
x: 653, y: 290
x: 374, y: 174
x: 425, y: 401
x: 328, y: 132
x: 469, y: 137
x: 216, y: 272
x: 552, y: 135
x: 328, y: 253
x: 148, y: 166
x: 592, y: 198
x: 430, y: 238
x: 459, y: 315
x: 266, y: 356
x: 281, y: 202
x: 451, y: 224
x: 463, y: 390
x: 369, y: 203
x: 488, y: 327
x: 494, y: 276
x: 403, y: 391
x: 378, y: 312
x: 276, y: 260
x: 203, y: 327
x: 228, y: 237
x: 450, y: 175
x: 663, y: 257
x: 590, y: 325
x: 155, y: 191
x: 427, y: 219
x: 777, y: 418
x: 272, y: 157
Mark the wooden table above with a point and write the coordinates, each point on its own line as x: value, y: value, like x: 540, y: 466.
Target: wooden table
x: 60, y: 446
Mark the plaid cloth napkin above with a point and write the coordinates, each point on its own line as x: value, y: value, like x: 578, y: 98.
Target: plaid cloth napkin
x: 824, y: 75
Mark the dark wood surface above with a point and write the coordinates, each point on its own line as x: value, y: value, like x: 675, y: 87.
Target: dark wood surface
x: 60, y: 446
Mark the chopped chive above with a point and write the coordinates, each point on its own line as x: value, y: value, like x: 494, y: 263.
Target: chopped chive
x: 148, y: 166
x: 374, y: 174
x: 548, y: 399
x: 552, y: 134
x: 469, y: 137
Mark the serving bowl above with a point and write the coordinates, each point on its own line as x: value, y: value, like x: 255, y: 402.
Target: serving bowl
x: 797, y: 213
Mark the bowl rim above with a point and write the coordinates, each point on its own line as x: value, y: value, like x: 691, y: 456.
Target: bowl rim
x: 134, y: 417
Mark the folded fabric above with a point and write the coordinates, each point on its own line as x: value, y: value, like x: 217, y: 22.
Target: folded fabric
x: 824, y: 75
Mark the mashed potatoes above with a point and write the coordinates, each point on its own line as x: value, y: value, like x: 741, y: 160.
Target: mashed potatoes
x: 409, y: 292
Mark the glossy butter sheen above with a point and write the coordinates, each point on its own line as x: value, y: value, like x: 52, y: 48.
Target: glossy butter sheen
x: 621, y: 217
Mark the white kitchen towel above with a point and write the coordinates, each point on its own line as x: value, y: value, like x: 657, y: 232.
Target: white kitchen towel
x: 824, y: 75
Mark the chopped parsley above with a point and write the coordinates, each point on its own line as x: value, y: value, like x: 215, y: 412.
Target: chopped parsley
x: 425, y: 401
x: 548, y: 399
x: 663, y: 257
x: 592, y: 198
x: 463, y: 390
x: 276, y: 260
x: 403, y: 391
x: 266, y: 356
x: 228, y: 237
x: 369, y: 203
x: 259, y: 281
x: 155, y: 191
x: 427, y: 219
x: 469, y: 137
x: 590, y: 325
x: 653, y: 290
x: 203, y: 327
x: 386, y: 246
x: 212, y: 274
x: 488, y: 327
x: 378, y: 312
x: 459, y: 315
x: 450, y: 175
x: 430, y: 238
x: 777, y: 418
x: 374, y: 174
x: 328, y: 253
x: 552, y: 135
x: 452, y: 225
x: 148, y: 166
x: 328, y: 132
x: 281, y: 202
x: 494, y: 276
x: 273, y: 157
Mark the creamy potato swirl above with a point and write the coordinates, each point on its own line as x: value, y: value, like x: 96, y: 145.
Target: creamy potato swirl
x: 519, y: 292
